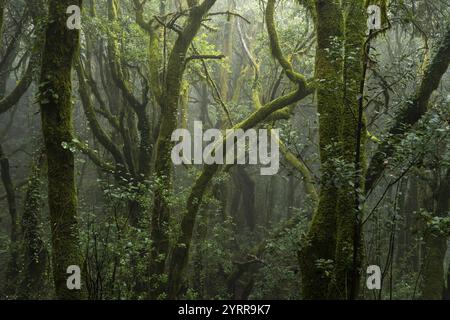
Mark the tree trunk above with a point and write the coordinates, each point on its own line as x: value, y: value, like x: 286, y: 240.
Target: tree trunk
x: 12, y: 268
x: 34, y: 251
x: 346, y: 279
x: 163, y: 164
x: 435, y: 247
x: 55, y: 93
x: 321, y: 238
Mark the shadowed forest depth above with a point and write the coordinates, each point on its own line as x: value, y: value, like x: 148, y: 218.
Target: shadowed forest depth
x: 116, y: 124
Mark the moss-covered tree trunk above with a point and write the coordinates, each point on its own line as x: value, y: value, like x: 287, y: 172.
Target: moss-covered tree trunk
x: 316, y: 257
x: 55, y: 97
x: 352, y: 133
x: 331, y: 255
x: 33, y: 247
x: 171, y: 92
x: 180, y: 255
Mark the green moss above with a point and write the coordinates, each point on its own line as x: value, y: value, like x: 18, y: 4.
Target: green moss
x: 275, y: 44
x: 34, y: 252
x: 335, y: 235
x: 171, y: 93
x: 320, y: 242
x: 55, y: 93
x: 348, y: 255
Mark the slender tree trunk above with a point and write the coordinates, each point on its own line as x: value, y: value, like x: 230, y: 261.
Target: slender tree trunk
x: 405, y: 253
x: 248, y: 194
x: 13, y: 267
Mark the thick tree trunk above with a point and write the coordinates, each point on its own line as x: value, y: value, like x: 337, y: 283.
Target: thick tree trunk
x: 331, y: 257
x: 55, y: 97
x: 346, y: 279
x: 321, y: 239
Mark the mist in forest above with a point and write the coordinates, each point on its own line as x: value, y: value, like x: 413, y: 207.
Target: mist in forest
x: 224, y: 149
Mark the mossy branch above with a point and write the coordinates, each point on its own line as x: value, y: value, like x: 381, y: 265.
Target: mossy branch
x: 114, y: 59
x: 13, y: 98
x: 94, y: 157
x: 276, y: 49
x: 89, y: 111
x: 179, y: 257
x: 104, y: 111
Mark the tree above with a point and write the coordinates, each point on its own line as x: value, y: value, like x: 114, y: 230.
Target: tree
x: 55, y: 98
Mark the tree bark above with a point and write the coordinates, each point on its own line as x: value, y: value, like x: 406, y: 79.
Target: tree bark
x: 179, y: 258
x: 349, y: 236
x: 320, y: 245
x: 163, y: 164
x: 55, y: 97
x: 34, y: 251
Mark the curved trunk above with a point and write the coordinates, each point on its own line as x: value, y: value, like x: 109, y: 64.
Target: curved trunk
x: 163, y: 164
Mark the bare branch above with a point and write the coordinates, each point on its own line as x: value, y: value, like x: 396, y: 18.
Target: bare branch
x: 229, y: 13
